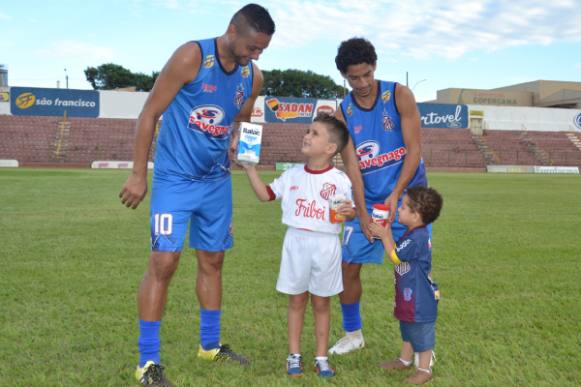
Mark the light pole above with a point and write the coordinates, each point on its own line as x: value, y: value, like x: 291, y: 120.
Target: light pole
x: 66, y: 79
x: 417, y: 83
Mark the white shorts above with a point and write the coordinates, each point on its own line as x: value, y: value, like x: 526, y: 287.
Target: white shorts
x: 311, y: 261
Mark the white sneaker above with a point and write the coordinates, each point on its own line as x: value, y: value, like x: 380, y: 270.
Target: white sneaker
x: 417, y: 359
x: 350, y: 342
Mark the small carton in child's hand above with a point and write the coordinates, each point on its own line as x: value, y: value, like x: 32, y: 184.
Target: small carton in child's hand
x: 249, y: 143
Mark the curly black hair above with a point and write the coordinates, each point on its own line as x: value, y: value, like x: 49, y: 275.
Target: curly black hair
x: 426, y: 201
x: 355, y: 51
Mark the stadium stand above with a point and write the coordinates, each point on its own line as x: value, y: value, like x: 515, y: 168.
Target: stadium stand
x: 79, y: 141
x: 451, y: 149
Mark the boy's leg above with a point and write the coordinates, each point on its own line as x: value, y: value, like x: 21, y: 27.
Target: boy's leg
x: 322, y: 314
x: 296, y: 314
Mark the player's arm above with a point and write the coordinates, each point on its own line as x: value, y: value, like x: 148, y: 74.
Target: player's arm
x: 245, y: 113
x: 351, y: 165
x: 260, y: 189
x: 181, y: 68
x: 410, y: 127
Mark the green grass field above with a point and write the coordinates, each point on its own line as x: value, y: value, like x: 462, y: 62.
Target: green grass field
x: 507, y: 256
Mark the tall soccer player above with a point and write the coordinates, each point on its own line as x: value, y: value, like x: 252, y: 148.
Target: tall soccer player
x: 384, y: 124
x: 203, y: 90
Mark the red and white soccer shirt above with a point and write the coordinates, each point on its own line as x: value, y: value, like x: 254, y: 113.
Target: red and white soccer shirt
x: 305, y: 195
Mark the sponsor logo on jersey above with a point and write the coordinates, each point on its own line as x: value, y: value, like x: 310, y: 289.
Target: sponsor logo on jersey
x: 294, y: 188
x: 209, y: 88
x: 207, y: 119
x: 239, y: 96
x: 209, y: 61
x: 289, y: 110
x: 370, y: 158
x: 245, y: 71
x: 386, y: 96
x: 25, y: 100
x: 307, y: 209
x: 328, y: 190
x: 325, y: 109
x: 403, y: 245
x: 357, y: 129
x: 429, y: 243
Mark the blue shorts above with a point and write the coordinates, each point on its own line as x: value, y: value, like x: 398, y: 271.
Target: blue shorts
x: 422, y: 336
x: 356, y: 248
x: 205, y: 205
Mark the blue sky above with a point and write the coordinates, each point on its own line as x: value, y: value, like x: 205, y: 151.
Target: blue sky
x: 457, y: 43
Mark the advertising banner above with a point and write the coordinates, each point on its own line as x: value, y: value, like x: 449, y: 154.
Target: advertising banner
x: 32, y: 101
x: 434, y: 115
x: 290, y: 110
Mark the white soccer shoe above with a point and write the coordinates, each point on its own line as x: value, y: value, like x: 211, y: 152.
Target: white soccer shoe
x: 352, y: 341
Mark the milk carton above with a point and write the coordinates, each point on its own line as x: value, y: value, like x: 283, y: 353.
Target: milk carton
x: 249, y: 143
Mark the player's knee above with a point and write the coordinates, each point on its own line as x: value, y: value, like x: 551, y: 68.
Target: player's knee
x: 163, y: 264
x: 210, y: 263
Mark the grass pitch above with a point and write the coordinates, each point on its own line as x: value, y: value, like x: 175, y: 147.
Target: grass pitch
x: 507, y: 252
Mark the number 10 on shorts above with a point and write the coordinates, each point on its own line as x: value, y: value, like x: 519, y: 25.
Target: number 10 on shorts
x: 163, y: 224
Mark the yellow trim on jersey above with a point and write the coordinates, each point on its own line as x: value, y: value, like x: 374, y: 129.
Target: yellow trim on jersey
x: 394, y: 258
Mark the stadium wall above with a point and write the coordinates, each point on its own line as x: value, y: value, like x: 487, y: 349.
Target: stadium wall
x: 528, y: 118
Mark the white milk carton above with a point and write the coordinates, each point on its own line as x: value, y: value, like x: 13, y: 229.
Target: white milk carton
x: 249, y: 143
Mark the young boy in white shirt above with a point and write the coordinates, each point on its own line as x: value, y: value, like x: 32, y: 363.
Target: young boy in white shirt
x: 311, y: 255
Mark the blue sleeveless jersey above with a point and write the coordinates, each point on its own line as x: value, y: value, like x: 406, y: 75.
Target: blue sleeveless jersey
x: 378, y: 140
x: 196, y: 128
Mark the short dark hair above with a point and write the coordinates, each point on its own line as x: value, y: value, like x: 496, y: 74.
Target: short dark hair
x: 425, y: 201
x: 255, y: 17
x: 338, y: 133
x: 353, y: 52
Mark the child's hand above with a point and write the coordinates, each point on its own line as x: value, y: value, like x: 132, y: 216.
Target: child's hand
x: 380, y: 231
x: 346, y: 210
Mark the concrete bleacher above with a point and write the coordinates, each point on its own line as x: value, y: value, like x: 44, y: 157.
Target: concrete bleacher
x: 450, y: 149
x: 558, y: 147
x: 509, y: 148
x: 80, y: 141
x: 75, y: 142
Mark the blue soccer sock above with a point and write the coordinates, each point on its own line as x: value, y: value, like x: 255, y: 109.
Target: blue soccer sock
x: 210, y: 328
x: 149, y: 342
x: 351, y: 317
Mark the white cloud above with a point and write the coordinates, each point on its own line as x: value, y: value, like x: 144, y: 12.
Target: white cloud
x: 67, y: 49
x: 4, y: 16
x: 428, y: 28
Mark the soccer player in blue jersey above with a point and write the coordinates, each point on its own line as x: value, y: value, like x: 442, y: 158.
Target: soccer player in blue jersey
x: 384, y: 124
x: 203, y: 90
x: 416, y: 295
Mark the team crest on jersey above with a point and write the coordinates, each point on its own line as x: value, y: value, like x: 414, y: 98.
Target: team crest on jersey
x: 209, y: 61
x: 207, y: 119
x: 386, y: 96
x: 239, y: 96
x: 328, y: 191
x: 388, y: 124
x: 407, y: 294
x: 245, y: 71
x: 349, y: 110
